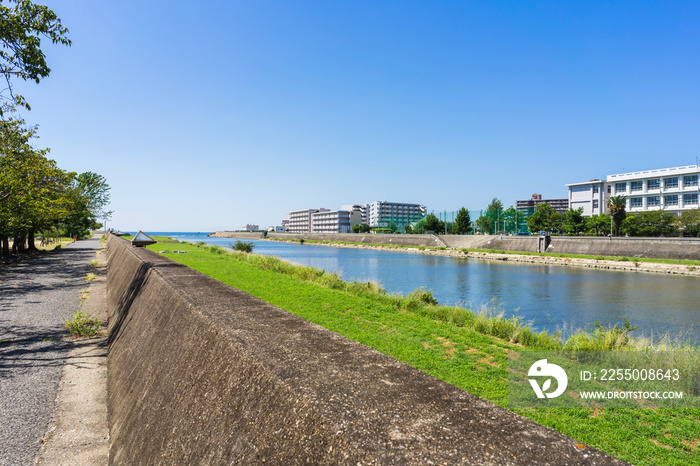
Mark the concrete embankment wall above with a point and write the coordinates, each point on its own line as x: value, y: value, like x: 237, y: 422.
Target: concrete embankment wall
x: 660, y: 248
x: 202, y: 373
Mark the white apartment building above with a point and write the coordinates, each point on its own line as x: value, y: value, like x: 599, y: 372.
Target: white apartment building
x: 300, y: 220
x: 249, y: 227
x: 383, y: 213
x: 337, y: 221
x: 671, y: 189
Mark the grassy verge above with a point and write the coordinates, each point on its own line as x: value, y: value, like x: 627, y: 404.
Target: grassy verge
x: 452, y: 346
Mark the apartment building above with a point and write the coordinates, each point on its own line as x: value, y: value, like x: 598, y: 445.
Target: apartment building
x: 363, y: 209
x: 337, y: 221
x: 383, y: 213
x: 248, y: 227
x: 300, y: 220
x: 528, y: 206
x: 672, y: 189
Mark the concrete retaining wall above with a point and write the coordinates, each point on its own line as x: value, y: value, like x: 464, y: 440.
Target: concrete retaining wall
x: 660, y: 248
x: 202, y: 373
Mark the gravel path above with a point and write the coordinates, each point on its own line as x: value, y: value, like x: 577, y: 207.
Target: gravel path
x: 36, y: 297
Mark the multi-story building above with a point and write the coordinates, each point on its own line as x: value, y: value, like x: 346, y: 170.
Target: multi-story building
x: 337, y: 221
x: 671, y: 189
x: 590, y: 196
x: 528, y: 206
x: 363, y: 209
x: 382, y: 214
x: 300, y: 220
x: 248, y: 227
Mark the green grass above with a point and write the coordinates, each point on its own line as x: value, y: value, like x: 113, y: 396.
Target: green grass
x: 445, y: 343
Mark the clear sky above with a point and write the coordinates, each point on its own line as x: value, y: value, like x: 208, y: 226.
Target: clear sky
x: 209, y: 115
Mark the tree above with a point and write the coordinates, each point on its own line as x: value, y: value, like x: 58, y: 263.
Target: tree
x: 543, y: 219
x: 652, y: 223
x: 689, y: 222
x: 463, y: 222
x: 33, y: 190
x: 573, y: 222
x: 617, y: 206
x: 432, y: 223
x: 598, y: 224
x: 95, y: 191
x: 22, y: 26
x: 408, y: 229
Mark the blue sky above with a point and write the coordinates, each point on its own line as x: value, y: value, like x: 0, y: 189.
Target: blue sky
x: 212, y: 114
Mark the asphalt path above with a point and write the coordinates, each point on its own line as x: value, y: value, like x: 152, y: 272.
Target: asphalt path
x: 36, y: 297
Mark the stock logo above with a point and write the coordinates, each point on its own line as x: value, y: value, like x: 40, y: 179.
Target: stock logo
x: 543, y: 369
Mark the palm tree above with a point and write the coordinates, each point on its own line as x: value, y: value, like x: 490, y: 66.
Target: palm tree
x: 617, y: 207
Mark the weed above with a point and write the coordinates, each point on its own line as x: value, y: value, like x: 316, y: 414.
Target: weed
x: 82, y: 325
x: 48, y: 339
x: 90, y: 277
x: 4, y: 342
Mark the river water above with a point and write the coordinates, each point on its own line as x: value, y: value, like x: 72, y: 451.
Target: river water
x: 546, y: 296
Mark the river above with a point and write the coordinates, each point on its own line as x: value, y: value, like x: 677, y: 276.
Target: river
x: 546, y: 296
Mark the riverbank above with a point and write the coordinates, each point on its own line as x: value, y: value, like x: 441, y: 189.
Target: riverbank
x: 609, y: 263
x: 434, y: 343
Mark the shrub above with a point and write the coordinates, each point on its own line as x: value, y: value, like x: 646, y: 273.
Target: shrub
x: 242, y: 246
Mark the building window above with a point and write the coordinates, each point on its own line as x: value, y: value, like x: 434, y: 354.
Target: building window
x: 595, y: 189
x: 690, y: 180
x: 654, y: 184
x: 653, y: 201
x: 671, y: 199
x: 637, y: 186
x: 609, y: 189
x: 690, y: 199
x: 595, y: 203
x: 636, y: 202
x: 670, y: 183
x: 619, y: 187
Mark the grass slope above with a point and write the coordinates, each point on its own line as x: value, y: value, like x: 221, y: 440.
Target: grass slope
x: 456, y: 354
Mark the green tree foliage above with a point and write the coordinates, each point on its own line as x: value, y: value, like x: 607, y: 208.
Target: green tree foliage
x: 22, y: 26
x: 36, y: 195
x: 598, y: 225
x: 573, y: 222
x: 433, y: 224
x: 545, y: 218
x: 33, y: 190
x: 617, y: 206
x: 485, y: 225
x: 689, y: 222
x: 653, y: 223
x: 463, y: 222
x: 360, y: 228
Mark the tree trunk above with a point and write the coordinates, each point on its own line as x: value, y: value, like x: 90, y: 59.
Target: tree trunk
x: 18, y: 245
x: 30, y: 241
x: 5, y: 241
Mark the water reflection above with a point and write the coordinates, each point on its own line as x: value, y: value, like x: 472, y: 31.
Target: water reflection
x: 551, y: 297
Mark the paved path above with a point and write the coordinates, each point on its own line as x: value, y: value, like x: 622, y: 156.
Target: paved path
x: 36, y: 297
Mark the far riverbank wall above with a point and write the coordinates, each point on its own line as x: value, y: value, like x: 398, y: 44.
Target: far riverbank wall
x: 202, y: 373
x: 658, y: 248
